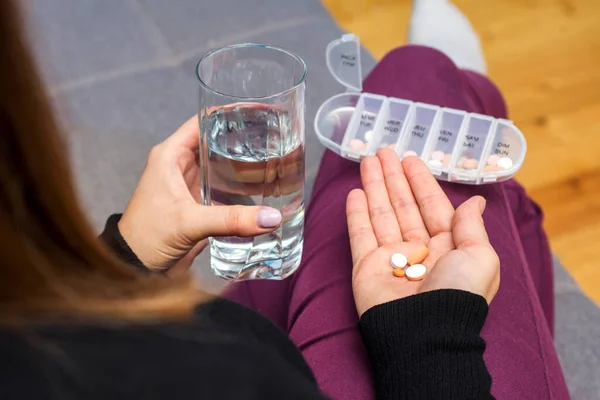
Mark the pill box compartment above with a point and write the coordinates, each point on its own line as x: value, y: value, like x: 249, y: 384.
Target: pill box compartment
x: 470, y: 149
x: 421, y: 119
x: 442, y: 141
x: 360, y: 132
x: 333, y: 119
x: 505, y: 152
x: 457, y: 146
x: 391, y: 124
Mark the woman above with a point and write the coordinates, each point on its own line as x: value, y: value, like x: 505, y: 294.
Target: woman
x: 78, y: 322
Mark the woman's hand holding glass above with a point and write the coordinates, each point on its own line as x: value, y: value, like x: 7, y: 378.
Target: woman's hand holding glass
x: 164, y: 223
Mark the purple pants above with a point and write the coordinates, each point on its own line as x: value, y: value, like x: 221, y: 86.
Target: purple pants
x: 315, y: 306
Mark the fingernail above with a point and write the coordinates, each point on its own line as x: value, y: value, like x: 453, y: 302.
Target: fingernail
x: 482, y: 203
x: 268, y: 218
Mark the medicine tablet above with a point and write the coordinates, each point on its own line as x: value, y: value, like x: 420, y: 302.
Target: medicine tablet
x: 418, y: 255
x: 460, y: 162
x: 493, y: 160
x: 399, y: 260
x: 492, y: 168
x: 446, y: 160
x: 409, y: 153
x: 399, y: 272
x: 438, y: 155
x: 368, y: 136
x: 333, y: 119
x: 357, y: 144
x: 416, y: 272
x: 435, y: 163
x: 505, y: 163
x: 470, y: 163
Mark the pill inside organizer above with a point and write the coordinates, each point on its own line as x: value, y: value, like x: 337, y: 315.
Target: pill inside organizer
x: 456, y: 146
x: 360, y: 132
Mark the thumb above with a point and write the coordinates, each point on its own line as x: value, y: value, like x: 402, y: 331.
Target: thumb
x: 205, y: 221
x: 467, y: 225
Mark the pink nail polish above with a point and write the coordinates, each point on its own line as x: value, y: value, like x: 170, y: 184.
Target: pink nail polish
x: 268, y: 218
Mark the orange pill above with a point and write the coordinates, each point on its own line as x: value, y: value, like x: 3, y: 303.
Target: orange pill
x: 492, y: 168
x: 418, y: 256
x: 399, y: 272
x: 357, y: 144
x: 470, y: 163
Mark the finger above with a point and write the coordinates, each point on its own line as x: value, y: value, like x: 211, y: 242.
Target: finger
x: 187, y: 135
x: 412, y: 227
x: 436, y: 209
x: 200, y: 222
x: 467, y: 225
x: 383, y: 219
x: 362, y: 238
x: 184, y: 264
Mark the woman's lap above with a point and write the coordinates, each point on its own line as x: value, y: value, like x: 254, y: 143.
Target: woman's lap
x: 315, y: 306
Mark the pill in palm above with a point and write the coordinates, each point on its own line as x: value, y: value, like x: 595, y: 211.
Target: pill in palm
x: 357, y: 144
x: 398, y: 260
x: 418, y: 255
x: 505, y: 162
x: 399, y: 272
x: 416, y: 272
x: 368, y: 136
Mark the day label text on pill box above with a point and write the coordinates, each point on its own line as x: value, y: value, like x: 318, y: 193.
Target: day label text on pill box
x: 502, y: 149
x: 366, y: 120
x: 445, y: 136
x: 419, y: 131
x: 348, y: 60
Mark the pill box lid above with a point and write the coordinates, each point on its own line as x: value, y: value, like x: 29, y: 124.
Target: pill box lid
x: 344, y: 63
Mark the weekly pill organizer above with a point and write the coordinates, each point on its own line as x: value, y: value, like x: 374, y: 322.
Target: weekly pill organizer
x: 457, y: 146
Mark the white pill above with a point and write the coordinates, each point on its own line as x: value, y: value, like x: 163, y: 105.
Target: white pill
x: 399, y: 260
x: 368, y: 136
x: 409, y: 153
x: 435, y: 163
x: 505, y: 163
x: 416, y: 272
x: 438, y: 155
x: 493, y: 160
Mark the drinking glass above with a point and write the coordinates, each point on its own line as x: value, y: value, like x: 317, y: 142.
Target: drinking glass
x: 251, y: 117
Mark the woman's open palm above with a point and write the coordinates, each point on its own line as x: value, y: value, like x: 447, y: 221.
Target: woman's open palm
x: 402, y: 208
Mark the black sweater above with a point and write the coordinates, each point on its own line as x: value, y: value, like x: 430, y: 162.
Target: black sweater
x: 422, y: 347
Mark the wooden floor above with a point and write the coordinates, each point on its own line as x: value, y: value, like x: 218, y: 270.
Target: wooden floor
x: 545, y: 56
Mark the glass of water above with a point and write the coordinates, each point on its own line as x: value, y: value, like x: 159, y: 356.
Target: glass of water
x: 251, y: 119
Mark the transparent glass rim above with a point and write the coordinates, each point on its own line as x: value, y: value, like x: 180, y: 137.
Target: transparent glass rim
x: 295, y: 86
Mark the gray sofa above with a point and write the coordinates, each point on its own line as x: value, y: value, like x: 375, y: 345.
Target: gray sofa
x: 121, y: 77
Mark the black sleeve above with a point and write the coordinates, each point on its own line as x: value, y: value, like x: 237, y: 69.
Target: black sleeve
x: 428, y: 346
x: 112, y: 237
